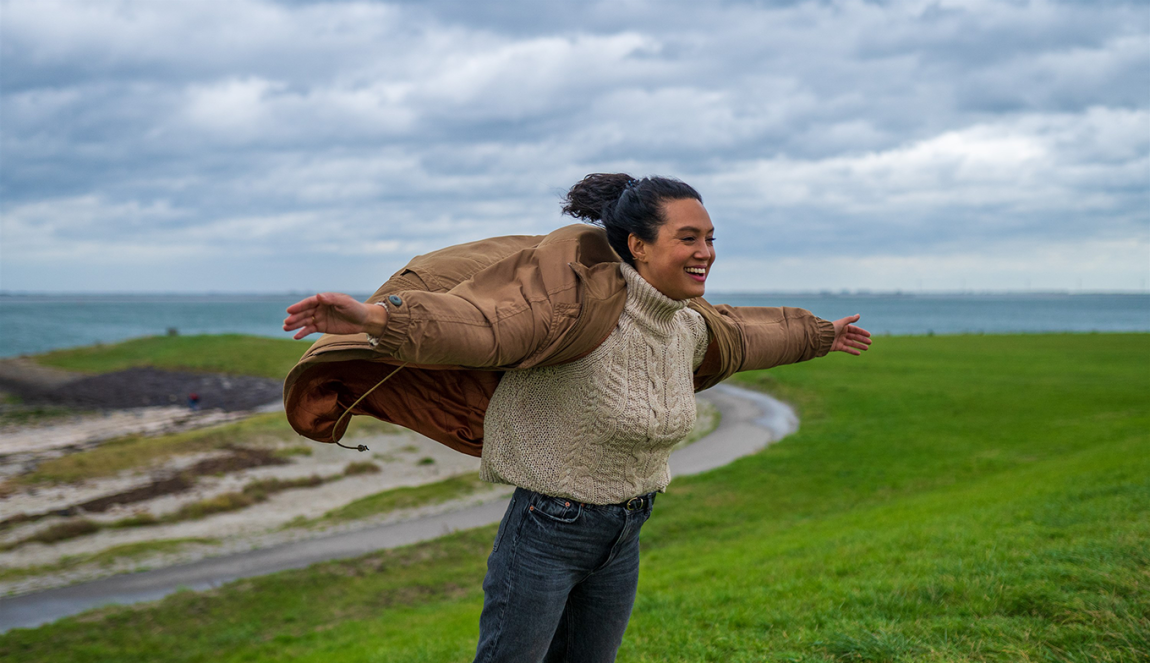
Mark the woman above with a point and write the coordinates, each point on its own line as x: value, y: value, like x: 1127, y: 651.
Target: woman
x: 581, y: 421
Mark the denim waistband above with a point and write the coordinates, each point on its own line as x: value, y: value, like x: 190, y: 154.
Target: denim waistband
x: 636, y: 503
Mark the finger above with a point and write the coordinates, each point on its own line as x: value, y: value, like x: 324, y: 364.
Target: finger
x: 858, y: 338
x: 841, y: 346
x: 296, y: 320
x: 310, y: 302
x: 308, y: 329
x: 300, y: 325
x: 857, y: 330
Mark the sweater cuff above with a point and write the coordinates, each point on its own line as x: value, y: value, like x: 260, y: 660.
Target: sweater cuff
x: 826, y: 336
x: 395, y: 331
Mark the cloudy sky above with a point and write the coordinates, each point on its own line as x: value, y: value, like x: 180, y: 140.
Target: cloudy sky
x: 260, y: 146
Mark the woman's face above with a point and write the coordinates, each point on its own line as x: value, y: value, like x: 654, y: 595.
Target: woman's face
x: 678, y: 262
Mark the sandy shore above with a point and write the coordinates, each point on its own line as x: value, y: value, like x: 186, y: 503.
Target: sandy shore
x: 403, y: 459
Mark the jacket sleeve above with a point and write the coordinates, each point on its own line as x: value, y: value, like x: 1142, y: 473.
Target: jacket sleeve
x: 773, y: 336
x: 745, y: 338
x: 502, y: 303
x: 506, y: 315
x: 446, y: 328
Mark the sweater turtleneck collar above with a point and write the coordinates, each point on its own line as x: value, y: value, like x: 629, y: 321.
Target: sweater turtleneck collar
x: 646, y: 304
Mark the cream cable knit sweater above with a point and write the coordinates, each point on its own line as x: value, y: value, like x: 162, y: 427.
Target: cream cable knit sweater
x: 599, y: 429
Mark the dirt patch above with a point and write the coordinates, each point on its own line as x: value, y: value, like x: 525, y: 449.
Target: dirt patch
x: 240, y: 459
x: 157, y: 488
x: 237, y: 460
x: 143, y: 387
x: 168, y: 486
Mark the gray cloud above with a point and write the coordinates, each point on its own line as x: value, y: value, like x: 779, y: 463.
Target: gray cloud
x: 208, y: 142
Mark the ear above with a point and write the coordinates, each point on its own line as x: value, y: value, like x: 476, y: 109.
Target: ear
x: 638, y: 247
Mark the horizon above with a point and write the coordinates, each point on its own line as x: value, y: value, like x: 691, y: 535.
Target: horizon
x: 862, y: 292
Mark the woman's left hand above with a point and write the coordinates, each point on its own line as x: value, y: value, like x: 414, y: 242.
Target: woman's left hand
x: 334, y: 313
x: 849, y: 338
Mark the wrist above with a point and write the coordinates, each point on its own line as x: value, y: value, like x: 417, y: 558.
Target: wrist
x: 376, y: 320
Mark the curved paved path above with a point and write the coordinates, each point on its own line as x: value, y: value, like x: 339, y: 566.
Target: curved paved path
x: 750, y: 421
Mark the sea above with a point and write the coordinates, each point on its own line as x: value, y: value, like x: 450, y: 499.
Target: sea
x: 31, y: 324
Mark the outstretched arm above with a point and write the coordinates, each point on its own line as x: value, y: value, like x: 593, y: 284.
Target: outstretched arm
x: 456, y: 328
x: 849, y: 338
x: 746, y: 338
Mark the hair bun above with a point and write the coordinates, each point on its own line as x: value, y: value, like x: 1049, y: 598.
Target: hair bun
x: 625, y: 206
x: 590, y: 195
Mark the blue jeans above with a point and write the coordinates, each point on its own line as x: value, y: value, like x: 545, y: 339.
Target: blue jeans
x: 561, y: 580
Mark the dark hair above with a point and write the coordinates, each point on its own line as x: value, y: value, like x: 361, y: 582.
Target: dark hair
x: 625, y: 206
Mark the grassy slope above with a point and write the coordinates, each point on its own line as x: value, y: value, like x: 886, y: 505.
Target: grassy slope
x: 948, y: 498
x: 218, y: 353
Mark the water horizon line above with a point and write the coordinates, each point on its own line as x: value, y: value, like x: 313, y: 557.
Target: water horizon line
x: 844, y: 292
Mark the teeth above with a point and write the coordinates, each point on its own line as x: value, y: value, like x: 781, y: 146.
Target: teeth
x: 702, y: 271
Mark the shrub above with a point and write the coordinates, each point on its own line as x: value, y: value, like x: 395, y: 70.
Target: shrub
x: 218, y: 504
x: 364, y: 467
x: 69, y: 529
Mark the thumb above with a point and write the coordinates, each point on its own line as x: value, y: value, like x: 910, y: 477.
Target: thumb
x: 854, y: 318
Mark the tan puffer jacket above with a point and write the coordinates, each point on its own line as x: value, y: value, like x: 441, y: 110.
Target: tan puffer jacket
x: 461, y: 316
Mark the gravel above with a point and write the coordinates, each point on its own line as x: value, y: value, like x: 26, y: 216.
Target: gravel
x: 142, y: 387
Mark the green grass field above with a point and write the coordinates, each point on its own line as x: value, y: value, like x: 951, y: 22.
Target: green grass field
x: 973, y: 498
x: 234, y: 354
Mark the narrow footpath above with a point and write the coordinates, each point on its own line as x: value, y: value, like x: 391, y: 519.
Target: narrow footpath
x: 750, y: 421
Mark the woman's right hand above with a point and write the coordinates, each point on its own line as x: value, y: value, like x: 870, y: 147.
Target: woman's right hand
x: 334, y: 313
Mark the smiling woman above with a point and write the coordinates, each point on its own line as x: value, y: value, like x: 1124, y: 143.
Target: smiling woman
x: 568, y: 362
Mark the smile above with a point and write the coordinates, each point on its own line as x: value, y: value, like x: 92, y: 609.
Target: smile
x: 697, y: 273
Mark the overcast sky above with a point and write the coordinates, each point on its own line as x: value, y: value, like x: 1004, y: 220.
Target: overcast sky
x: 259, y: 146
